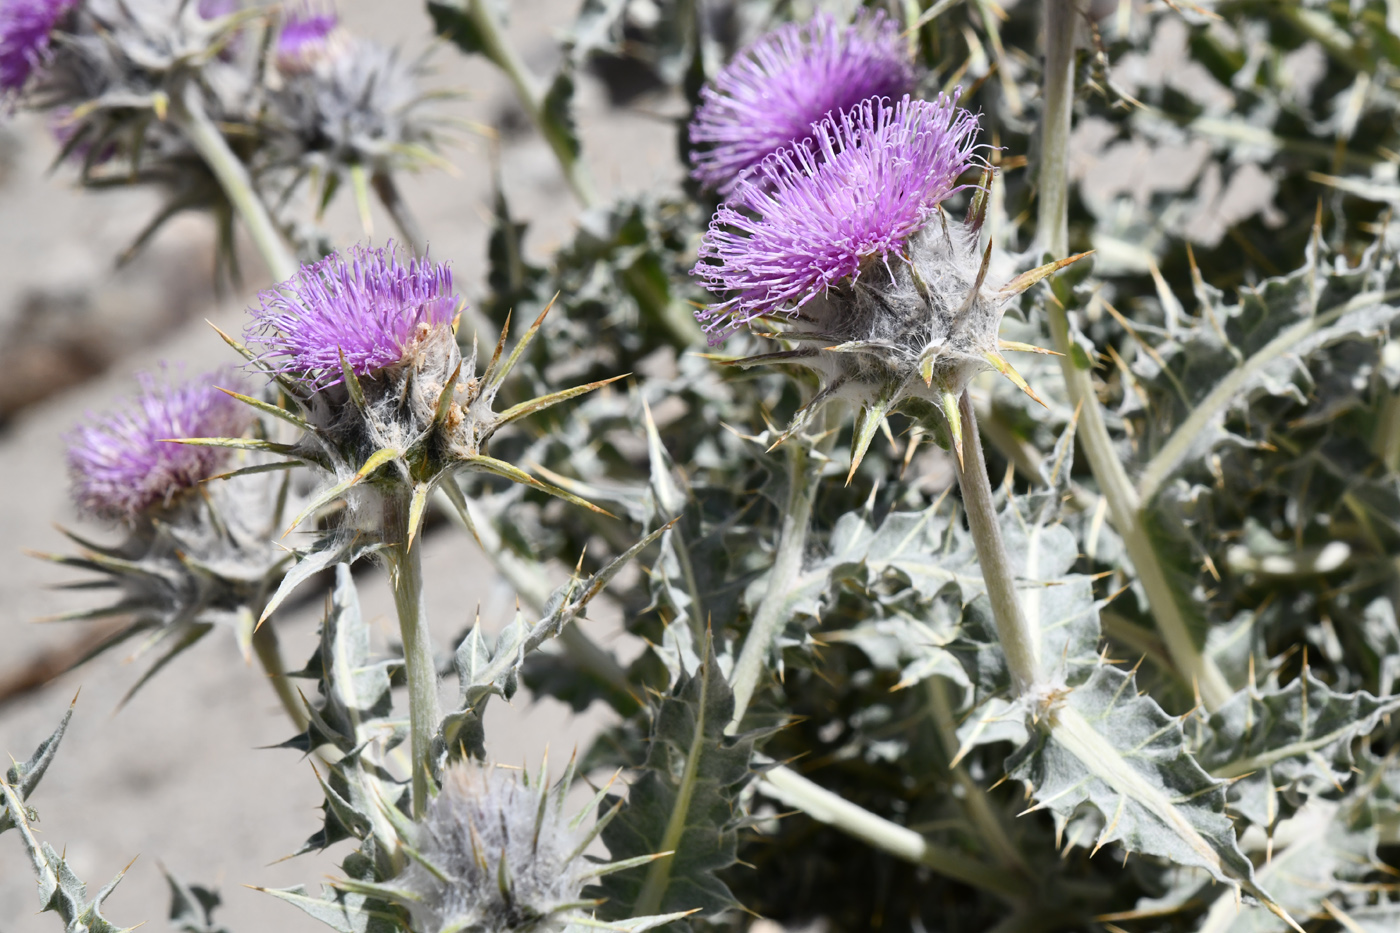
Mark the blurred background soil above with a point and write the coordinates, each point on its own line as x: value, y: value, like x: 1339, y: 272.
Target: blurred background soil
x: 179, y: 776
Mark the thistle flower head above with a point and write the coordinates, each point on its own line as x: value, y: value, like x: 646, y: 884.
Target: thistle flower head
x: 367, y: 307
x: 885, y: 296
x: 365, y: 346
x: 826, y: 210
x: 310, y: 34
x: 773, y: 92
x: 122, y: 462
x: 118, y: 67
x: 505, y: 856
x: 25, y: 28
x: 347, y: 101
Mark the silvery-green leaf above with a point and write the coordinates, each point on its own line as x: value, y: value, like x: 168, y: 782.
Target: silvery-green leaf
x: 1111, y: 749
x: 683, y: 802
x: 24, y: 776
x: 1280, y: 745
x: 60, y: 890
x: 192, y: 907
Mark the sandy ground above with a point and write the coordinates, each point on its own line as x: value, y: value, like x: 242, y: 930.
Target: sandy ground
x: 179, y: 777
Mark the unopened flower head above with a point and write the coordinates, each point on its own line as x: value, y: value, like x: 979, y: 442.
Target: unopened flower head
x: 310, y: 35
x: 122, y: 462
x: 825, y: 211
x: 25, y: 29
x: 347, y: 101
x: 505, y: 856
x: 366, y: 306
x: 773, y: 92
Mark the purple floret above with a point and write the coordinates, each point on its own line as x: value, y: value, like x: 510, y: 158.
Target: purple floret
x: 366, y: 305
x: 120, y: 462
x: 306, y: 31
x: 769, y: 96
x: 25, y: 27
x: 820, y: 212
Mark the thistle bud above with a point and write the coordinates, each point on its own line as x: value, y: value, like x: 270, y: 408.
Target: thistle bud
x: 503, y: 856
x: 310, y: 37
x: 346, y: 101
x: 495, y: 853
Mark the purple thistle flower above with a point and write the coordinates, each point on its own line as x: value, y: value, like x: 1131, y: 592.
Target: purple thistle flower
x: 308, y: 32
x: 122, y: 464
x: 818, y: 213
x: 772, y: 93
x: 25, y: 27
x: 367, y: 306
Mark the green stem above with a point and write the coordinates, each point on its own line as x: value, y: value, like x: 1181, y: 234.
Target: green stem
x: 979, y: 808
x: 497, y: 47
x: 1052, y: 227
x: 405, y: 565
x: 1019, y: 641
x: 805, y: 461
x: 902, y: 842
x: 1124, y: 505
x: 237, y: 184
x: 269, y: 654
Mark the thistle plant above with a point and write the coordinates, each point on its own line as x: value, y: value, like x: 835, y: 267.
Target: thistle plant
x: 1117, y: 650
x: 365, y: 347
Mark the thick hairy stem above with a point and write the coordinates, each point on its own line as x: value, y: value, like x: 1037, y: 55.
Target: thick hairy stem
x: 269, y: 653
x: 974, y: 799
x: 532, y: 97
x: 233, y: 177
x: 405, y: 565
x: 1019, y: 642
x: 1125, y: 507
x: 900, y: 841
x: 804, y: 475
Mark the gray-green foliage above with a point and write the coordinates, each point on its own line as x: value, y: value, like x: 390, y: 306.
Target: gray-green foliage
x: 60, y: 890
x: 1245, y: 357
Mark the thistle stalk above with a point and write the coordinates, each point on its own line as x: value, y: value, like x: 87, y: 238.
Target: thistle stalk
x: 497, y: 47
x: 233, y: 177
x: 974, y: 799
x: 405, y: 565
x: 269, y: 654
x: 1019, y: 640
x: 804, y: 473
x: 902, y: 842
x: 1125, y: 506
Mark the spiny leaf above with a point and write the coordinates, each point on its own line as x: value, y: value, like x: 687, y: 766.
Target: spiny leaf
x: 1296, y: 739
x: 23, y: 777
x: 554, y: 398
x: 517, y: 475
x: 1026, y: 279
x: 683, y: 801
x: 1107, y: 747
